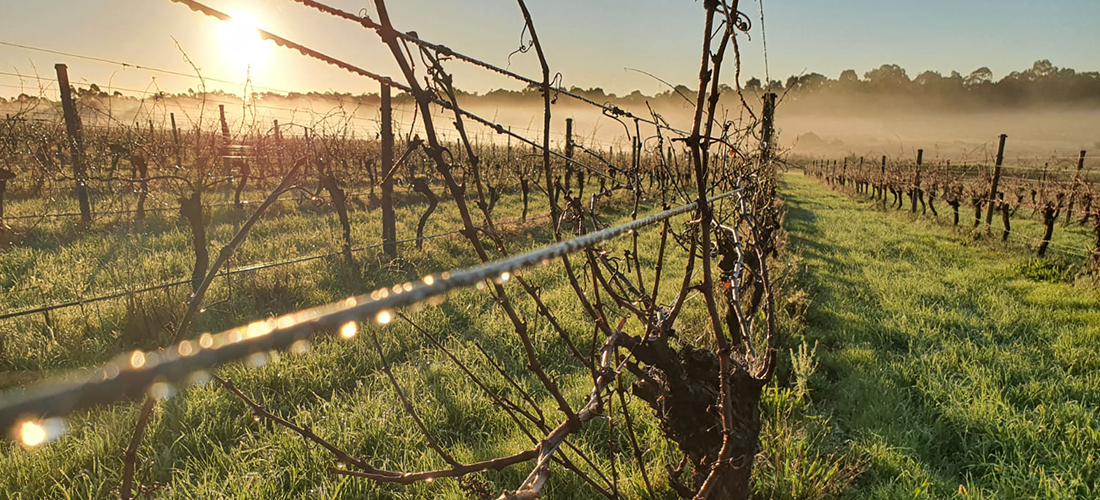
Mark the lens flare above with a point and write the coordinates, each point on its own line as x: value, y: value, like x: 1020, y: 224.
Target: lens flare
x: 349, y: 329
x: 32, y: 433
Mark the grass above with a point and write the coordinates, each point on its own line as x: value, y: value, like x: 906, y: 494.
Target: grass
x: 955, y: 368
x: 56, y: 261
x: 203, y: 443
x: 830, y: 429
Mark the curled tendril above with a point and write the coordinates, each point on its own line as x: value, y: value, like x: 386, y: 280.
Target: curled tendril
x: 612, y: 110
x: 742, y: 22
x: 524, y: 44
x: 556, y: 83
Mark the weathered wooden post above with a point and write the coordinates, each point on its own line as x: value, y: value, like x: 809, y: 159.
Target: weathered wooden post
x: 767, y: 127
x: 844, y: 172
x: 1076, y: 187
x: 996, y: 180
x: 389, y: 221
x: 914, y: 190
x: 76, y: 142
x: 882, y: 185
x: 231, y: 159
x: 862, y: 177
x: 176, y: 140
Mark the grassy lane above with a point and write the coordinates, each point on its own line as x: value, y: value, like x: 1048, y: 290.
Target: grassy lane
x: 951, y: 372
x: 204, y: 443
x: 56, y: 262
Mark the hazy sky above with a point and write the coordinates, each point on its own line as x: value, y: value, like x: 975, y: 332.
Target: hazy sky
x: 589, y: 41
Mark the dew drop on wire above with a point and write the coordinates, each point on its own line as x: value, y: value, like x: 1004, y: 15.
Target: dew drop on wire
x: 33, y: 433
x: 349, y: 330
x: 137, y: 360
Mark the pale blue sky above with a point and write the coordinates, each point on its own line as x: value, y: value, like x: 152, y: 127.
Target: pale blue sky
x: 588, y: 41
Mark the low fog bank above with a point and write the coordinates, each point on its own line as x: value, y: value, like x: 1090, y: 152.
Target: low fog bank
x: 943, y: 133
x: 817, y: 125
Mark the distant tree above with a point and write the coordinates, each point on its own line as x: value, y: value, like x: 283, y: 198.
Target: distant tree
x: 934, y: 85
x: 928, y: 78
x: 1043, y: 69
x: 92, y: 91
x: 595, y: 93
x: 792, y: 82
x: 503, y: 94
x: 753, y: 84
x: 810, y: 83
x: 848, y: 81
x: 887, y: 77
x: 980, y: 76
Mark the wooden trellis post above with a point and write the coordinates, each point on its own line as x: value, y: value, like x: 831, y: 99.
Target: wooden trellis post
x: 1076, y: 187
x: 389, y: 221
x: 76, y: 142
x: 996, y: 180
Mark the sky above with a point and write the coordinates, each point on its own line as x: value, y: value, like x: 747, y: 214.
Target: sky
x: 590, y: 42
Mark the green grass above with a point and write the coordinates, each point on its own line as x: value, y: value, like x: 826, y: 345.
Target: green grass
x: 918, y: 362
x: 946, y: 364
x: 204, y: 443
x: 56, y: 261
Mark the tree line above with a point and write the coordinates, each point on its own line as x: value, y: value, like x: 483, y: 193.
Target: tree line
x: 1042, y: 83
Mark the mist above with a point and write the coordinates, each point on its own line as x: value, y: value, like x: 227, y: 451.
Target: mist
x: 1045, y: 111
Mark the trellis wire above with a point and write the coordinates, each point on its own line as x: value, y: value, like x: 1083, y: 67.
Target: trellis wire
x: 118, y: 381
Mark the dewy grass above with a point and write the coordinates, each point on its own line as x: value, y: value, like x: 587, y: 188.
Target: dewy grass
x: 205, y: 443
x: 919, y: 364
x: 950, y: 370
x: 57, y: 262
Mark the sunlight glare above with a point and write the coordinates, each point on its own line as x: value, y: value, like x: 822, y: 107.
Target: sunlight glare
x: 32, y: 433
x: 349, y: 329
x: 240, y: 43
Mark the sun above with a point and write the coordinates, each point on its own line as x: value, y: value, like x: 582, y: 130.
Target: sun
x: 240, y: 43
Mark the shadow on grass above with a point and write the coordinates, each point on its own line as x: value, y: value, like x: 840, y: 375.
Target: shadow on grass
x: 939, y: 359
